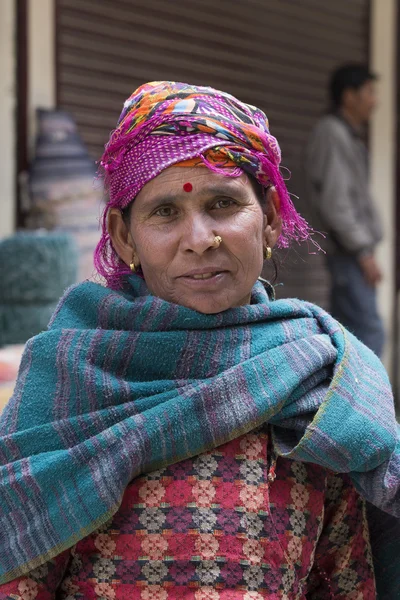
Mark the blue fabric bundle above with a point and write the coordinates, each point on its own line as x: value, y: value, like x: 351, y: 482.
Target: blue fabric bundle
x: 35, y: 270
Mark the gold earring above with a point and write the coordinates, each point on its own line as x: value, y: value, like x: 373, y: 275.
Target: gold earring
x: 267, y: 253
x: 217, y: 241
x: 132, y: 265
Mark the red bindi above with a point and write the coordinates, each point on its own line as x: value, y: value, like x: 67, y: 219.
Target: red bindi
x: 187, y: 187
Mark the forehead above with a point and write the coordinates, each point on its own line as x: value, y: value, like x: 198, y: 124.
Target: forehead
x: 173, y: 180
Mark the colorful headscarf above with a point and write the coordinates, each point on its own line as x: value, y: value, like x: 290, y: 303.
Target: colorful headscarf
x: 164, y: 123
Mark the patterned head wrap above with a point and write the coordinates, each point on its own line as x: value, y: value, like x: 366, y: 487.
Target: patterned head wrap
x: 165, y: 123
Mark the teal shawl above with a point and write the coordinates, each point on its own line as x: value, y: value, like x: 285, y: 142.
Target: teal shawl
x: 123, y: 383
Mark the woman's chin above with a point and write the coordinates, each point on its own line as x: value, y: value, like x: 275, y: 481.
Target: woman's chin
x: 210, y: 305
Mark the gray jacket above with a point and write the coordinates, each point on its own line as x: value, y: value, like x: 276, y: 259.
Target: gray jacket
x: 337, y: 171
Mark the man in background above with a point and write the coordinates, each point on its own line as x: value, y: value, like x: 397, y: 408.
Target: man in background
x: 337, y: 170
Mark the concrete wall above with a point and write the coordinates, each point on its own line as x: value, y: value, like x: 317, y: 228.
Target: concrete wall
x: 41, y: 90
x: 383, y: 151
x: 41, y: 56
x: 7, y: 117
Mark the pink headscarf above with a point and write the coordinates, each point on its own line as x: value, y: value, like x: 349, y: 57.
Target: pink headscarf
x: 164, y: 123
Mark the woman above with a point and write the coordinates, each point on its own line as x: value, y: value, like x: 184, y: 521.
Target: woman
x: 137, y: 462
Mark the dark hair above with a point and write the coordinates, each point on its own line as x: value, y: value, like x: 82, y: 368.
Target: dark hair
x: 351, y: 76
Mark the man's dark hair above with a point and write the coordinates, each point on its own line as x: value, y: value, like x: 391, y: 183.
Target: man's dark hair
x: 351, y: 76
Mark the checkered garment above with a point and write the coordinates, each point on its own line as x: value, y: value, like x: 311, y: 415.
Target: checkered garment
x: 230, y: 524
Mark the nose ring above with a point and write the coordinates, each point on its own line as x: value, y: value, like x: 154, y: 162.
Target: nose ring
x: 217, y: 241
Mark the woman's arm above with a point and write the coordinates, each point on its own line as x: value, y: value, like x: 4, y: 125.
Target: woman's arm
x: 41, y: 583
x: 343, y: 564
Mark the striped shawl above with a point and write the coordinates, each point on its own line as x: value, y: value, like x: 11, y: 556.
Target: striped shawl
x: 123, y: 383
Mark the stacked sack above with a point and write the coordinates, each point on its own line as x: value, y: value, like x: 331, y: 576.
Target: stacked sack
x: 35, y: 270
x: 62, y: 190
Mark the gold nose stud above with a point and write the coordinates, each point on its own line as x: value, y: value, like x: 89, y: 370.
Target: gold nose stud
x: 217, y: 241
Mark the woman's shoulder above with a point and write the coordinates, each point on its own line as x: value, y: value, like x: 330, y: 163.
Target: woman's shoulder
x: 292, y: 307
x: 80, y: 305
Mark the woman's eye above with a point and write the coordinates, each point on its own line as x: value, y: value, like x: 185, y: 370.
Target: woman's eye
x: 164, y: 211
x: 224, y: 203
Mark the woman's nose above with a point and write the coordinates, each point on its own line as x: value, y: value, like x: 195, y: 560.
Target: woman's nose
x: 198, y: 236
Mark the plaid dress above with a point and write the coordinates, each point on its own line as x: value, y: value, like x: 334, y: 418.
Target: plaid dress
x: 230, y: 524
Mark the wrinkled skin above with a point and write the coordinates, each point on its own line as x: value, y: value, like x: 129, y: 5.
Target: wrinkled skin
x: 170, y: 233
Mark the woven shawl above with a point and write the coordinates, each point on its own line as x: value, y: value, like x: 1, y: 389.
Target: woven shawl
x: 123, y: 383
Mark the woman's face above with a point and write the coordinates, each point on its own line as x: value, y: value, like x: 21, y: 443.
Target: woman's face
x: 171, y: 232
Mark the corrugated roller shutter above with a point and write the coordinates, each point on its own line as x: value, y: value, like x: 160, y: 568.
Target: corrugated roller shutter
x: 274, y: 54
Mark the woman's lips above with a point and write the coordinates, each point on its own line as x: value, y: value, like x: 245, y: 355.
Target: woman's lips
x: 204, y: 275
x: 207, y: 279
x: 207, y: 271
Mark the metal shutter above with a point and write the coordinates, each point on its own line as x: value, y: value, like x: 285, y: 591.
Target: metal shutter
x: 274, y: 54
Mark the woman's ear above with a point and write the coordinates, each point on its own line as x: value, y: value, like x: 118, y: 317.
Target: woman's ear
x: 120, y: 235
x: 272, y: 217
